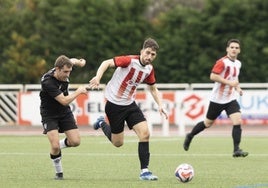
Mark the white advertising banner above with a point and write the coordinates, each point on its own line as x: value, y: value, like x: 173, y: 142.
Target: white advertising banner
x: 187, y: 107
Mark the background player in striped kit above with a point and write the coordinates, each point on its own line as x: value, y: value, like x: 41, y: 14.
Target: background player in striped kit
x: 223, y: 97
x: 131, y: 70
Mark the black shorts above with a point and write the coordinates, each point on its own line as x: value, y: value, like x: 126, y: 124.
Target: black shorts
x: 61, y: 123
x: 118, y: 115
x: 215, y: 109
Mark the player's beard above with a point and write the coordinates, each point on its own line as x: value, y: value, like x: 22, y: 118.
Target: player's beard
x: 147, y: 62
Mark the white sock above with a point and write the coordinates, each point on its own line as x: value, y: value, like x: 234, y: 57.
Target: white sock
x: 144, y: 170
x: 57, y: 164
x: 62, y: 143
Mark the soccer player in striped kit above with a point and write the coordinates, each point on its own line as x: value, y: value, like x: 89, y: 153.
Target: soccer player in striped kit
x: 225, y: 74
x: 131, y: 70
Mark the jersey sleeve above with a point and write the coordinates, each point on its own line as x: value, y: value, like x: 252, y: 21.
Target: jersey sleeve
x: 124, y: 61
x: 218, y: 67
x: 51, y: 88
x: 150, y: 78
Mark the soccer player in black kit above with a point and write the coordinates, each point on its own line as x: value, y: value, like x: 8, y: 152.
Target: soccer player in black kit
x: 56, y: 114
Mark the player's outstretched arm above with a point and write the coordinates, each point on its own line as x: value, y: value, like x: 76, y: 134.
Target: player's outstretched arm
x: 94, y: 83
x: 66, y: 100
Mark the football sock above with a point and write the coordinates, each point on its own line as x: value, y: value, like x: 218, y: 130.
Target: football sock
x: 144, y: 155
x: 106, y: 130
x: 236, y: 134
x: 144, y: 170
x: 63, y: 143
x: 56, y: 160
x: 197, y: 129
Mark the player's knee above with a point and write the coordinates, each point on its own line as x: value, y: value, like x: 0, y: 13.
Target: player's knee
x: 118, y: 143
x: 73, y: 143
x: 144, y: 136
x: 238, y: 121
x: 208, y: 123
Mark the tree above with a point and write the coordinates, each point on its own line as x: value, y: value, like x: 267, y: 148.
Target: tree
x: 222, y: 24
x: 191, y: 34
x: 20, y: 66
x: 193, y: 39
x: 19, y: 61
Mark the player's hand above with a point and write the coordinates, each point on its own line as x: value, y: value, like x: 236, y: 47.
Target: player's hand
x: 163, y: 112
x: 239, y: 90
x: 94, y: 83
x: 78, y: 62
x: 83, y: 89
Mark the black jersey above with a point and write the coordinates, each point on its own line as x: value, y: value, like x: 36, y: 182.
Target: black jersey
x: 50, y: 88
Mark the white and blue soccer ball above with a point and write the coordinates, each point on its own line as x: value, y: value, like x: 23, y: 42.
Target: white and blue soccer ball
x: 184, y: 172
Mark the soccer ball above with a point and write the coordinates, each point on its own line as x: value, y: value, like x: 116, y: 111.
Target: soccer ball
x: 184, y: 173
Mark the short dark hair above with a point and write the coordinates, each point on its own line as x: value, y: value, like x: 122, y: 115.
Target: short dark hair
x: 233, y: 40
x: 63, y: 60
x: 150, y: 43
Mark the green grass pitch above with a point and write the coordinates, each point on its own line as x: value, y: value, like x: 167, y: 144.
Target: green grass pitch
x: 96, y: 163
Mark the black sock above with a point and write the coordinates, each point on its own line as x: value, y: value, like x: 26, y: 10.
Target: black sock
x: 197, y: 129
x: 236, y: 134
x: 55, y: 156
x: 106, y: 129
x: 144, y: 154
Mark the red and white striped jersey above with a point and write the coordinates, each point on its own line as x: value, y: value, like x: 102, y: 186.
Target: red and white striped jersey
x: 230, y: 70
x: 121, y: 89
